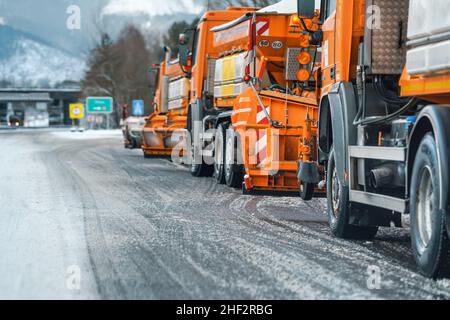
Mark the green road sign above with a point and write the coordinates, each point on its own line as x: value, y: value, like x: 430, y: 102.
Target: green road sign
x: 99, y: 105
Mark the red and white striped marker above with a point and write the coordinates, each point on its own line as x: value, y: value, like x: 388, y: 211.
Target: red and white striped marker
x: 261, y: 143
x: 262, y: 26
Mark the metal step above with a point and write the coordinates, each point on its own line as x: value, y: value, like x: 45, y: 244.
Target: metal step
x: 378, y: 153
x: 374, y: 199
x: 378, y: 200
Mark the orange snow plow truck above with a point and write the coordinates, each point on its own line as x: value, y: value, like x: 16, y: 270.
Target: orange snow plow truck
x: 171, y: 100
x: 383, y: 124
x: 254, y: 123
x: 167, y: 125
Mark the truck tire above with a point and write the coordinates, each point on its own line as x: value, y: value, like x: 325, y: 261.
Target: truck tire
x: 134, y: 144
x: 306, y: 191
x: 219, y: 154
x: 429, y: 237
x: 233, y: 170
x: 339, y: 207
x: 199, y: 169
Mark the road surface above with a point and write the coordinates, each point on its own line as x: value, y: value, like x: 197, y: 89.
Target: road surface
x: 83, y: 218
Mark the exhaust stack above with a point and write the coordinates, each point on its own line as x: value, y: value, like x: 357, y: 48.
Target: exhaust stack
x: 165, y: 83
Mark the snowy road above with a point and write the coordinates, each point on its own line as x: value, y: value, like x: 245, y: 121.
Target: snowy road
x: 80, y: 209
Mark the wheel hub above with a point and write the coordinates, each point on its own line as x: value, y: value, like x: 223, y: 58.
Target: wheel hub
x: 228, y: 156
x: 218, y: 161
x: 425, y: 206
x: 192, y: 156
x: 335, y: 193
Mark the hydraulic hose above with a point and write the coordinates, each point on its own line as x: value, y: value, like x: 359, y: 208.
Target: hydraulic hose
x: 412, y: 102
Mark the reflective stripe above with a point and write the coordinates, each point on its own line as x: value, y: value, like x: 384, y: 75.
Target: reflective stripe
x: 261, y: 143
x: 262, y: 27
x: 243, y: 110
x: 240, y: 123
x: 261, y: 116
x: 244, y: 99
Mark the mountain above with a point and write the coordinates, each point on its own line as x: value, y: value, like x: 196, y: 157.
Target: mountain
x: 27, y: 60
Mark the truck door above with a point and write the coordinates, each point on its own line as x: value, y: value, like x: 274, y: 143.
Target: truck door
x: 328, y: 49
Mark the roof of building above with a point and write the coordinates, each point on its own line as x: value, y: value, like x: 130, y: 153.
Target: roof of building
x: 25, y: 96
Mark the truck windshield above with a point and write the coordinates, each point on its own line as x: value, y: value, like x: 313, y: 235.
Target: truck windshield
x: 331, y: 7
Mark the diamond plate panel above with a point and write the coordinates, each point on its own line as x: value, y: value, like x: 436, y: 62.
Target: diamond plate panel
x: 385, y: 46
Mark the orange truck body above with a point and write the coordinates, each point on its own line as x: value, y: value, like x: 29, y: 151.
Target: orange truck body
x: 158, y: 131
x: 434, y: 88
x: 383, y: 132
x: 271, y: 154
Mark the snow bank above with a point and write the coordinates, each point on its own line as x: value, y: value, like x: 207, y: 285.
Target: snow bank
x: 88, y: 135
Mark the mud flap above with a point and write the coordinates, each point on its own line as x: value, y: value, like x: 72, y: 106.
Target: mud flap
x: 308, y: 172
x: 343, y: 110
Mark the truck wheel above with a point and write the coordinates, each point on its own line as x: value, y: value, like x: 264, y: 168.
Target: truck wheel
x: 199, y: 169
x: 306, y: 191
x: 429, y: 237
x: 219, y: 154
x: 233, y: 170
x: 339, y: 210
x: 134, y: 144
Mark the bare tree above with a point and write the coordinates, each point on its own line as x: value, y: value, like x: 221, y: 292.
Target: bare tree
x: 119, y: 70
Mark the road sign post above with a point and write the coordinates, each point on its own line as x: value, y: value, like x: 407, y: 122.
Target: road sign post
x: 100, y: 105
x: 138, y: 108
x: 76, y: 113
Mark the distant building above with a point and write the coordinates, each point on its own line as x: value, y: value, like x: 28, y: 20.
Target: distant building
x: 31, y: 109
x: 38, y: 107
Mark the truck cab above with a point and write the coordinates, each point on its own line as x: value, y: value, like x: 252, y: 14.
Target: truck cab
x: 382, y: 114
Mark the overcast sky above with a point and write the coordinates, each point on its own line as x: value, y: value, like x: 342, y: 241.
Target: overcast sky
x: 47, y: 18
x: 153, y: 7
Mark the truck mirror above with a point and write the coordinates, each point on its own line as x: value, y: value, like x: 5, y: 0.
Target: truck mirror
x: 184, y: 55
x: 153, y: 81
x: 306, y: 8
